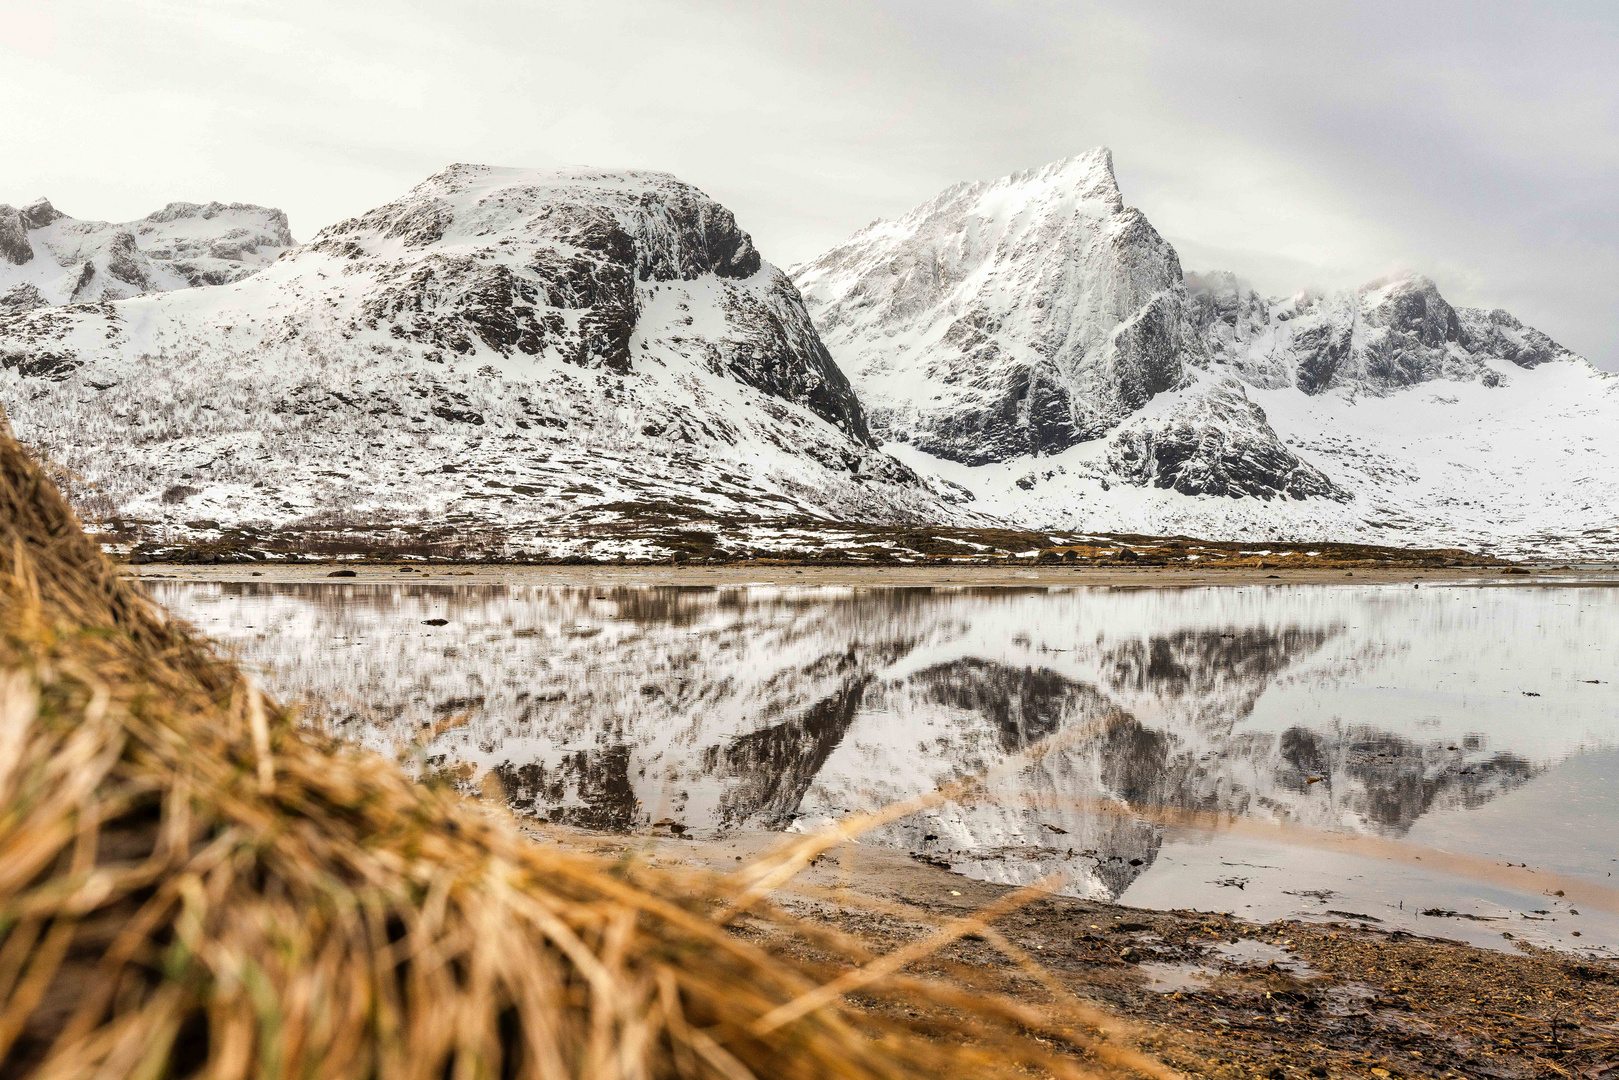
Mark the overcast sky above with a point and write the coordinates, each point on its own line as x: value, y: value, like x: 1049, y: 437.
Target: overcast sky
x: 1296, y: 143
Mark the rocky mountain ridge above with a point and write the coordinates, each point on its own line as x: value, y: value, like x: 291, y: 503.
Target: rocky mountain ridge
x: 48, y: 258
x: 1390, y: 334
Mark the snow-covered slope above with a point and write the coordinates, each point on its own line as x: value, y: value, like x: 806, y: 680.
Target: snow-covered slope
x: 1390, y: 334
x: 497, y: 348
x: 1033, y: 340
x: 49, y: 258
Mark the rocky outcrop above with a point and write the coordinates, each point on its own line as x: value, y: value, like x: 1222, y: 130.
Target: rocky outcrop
x: 493, y: 351
x: 14, y: 246
x: 1498, y: 334
x: 24, y: 297
x: 1006, y: 318
x: 40, y: 213
x: 1214, y: 441
x: 590, y: 250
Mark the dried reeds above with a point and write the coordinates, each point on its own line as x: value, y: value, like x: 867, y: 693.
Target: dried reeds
x: 190, y: 885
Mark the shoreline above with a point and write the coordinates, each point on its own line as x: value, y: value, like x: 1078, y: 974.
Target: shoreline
x: 969, y: 576
x: 1210, y: 993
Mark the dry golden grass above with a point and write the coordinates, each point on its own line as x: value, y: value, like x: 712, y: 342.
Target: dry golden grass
x: 192, y: 886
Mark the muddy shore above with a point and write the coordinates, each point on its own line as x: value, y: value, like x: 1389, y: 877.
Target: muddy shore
x: 1213, y: 994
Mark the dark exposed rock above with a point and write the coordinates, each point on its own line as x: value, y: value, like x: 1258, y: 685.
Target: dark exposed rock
x: 1497, y: 333
x: 41, y: 363
x: 125, y: 263
x: 41, y: 213
x: 14, y: 246
x: 86, y: 278
x: 1216, y: 442
x: 22, y: 297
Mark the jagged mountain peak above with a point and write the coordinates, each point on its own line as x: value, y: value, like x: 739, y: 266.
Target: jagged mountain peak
x: 1006, y: 317
x: 1086, y: 176
x: 1391, y: 333
x: 1083, y: 182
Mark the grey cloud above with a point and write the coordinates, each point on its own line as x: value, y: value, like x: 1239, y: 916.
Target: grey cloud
x: 1297, y: 144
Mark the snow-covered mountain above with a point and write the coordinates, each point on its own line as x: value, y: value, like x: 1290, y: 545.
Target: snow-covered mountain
x: 48, y: 258
x: 552, y: 361
x: 1036, y: 342
x: 497, y: 348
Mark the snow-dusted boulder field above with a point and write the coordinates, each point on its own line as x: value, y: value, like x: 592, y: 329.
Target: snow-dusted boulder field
x: 493, y: 351
x: 1035, y: 341
x: 48, y: 258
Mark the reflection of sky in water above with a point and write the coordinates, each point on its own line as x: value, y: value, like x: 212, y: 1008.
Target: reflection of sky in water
x: 1443, y: 713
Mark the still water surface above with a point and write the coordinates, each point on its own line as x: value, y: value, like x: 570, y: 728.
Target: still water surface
x: 1475, y: 719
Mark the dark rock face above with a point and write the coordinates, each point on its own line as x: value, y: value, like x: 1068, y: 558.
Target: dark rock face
x: 1496, y: 333
x: 1216, y: 442
x: 41, y: 213
x: 125, y: 263
x: 1322, y: 349
x: 23, y: 297
x: 592, y: 259
x: 1148, y: 350
x: 14, y: 245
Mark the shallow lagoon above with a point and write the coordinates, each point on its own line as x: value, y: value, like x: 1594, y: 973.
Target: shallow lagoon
x: 1105, y: 725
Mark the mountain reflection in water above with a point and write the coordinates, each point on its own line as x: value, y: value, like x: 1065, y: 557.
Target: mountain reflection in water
x: 1358, y: 708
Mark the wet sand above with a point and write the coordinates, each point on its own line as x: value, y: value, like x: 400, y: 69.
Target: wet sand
x: 978, y: 576
x: 1215, y: 995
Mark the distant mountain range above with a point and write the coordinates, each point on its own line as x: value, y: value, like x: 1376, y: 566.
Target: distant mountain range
x: 1036, y: 341
x: 540, y: 360
x: 48, y: 258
